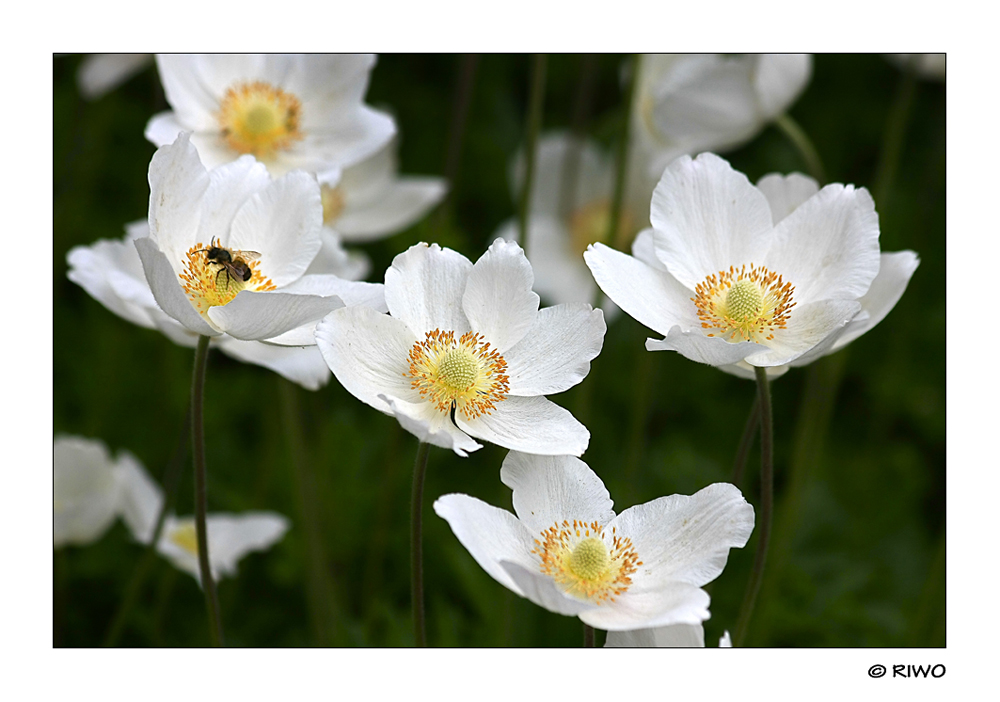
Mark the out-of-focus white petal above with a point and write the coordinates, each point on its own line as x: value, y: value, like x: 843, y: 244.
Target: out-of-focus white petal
x: 673, y: 636
x: 778, y: 80
x: 529, y: 424
x: 141, y: 497
x: 499, y: 302
x: 85, y: 489
x: 101, y: 73
x: 302, y: 365
x: 707, y: 218
x: 424, y: 288
x: 402, y: 204
x: 488, y: 533
x: 548, y: 489
x: 556, y: 352
x: 352, y: 292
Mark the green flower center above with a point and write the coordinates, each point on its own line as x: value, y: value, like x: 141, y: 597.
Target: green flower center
x: 589, y: 559
x: 458, y: 370
x: 744, y: 300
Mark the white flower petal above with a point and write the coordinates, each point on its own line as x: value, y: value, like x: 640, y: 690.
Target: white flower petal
x: 282, y: 223
x: 85, y: 489
x: 695, y: 346
x: 544, y: 592
x: 778, y: 80
x: 498, y: 300
x: 707, y: 218
x: 529, y: 424
x: 828, y: 247
x: 560, y: 272
x: 489, y: 534
x: 402, y: 204
x: 894, y: 273
x: 785, y: 193
x: 177, y: 186
x: 106, y: 269
x: 676, y: 603
x: 253, y: 316
x: 561, y: 158
x: 811, y: 325
x: 556, y: 353
x: 725, y: 641
x: 672, y: 636
x: 167, y: 290
x: 549, y: 489
x: 685, y: 539
x: 742, y: 369
x: 424, y: 288
x: 368, y: 352
x: 653, y: 297
x: 644, y: 249
x: 302, y: 365
x: 141, y: 497
x: 429, y: 425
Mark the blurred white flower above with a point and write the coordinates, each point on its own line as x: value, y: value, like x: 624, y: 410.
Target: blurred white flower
x: 738, y: 276
x: 88, y: 489
x: 570, y: 207
x: 229, y: 253
x: 466, y: 352
x: 568, y: 552
x: 290, y: 111
x: 673, y: 636
x: 688, y: 103
x: 930, y: 66
x: 102, y: 73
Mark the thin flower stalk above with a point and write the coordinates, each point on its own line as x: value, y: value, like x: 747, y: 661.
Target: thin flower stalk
x: 416, y: 545
x: 803, y: 144
x: 534, y: 123
x: 621, y: 174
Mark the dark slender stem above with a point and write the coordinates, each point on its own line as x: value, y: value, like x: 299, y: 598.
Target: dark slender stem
x: 616, y: 234
x: 803, y: 144
x: 892, y: 144
x: 746, y: 442
x: 171, y: 478
x: 416, y: 545
x: 766, y: 506
x: 321, y: 596
x: 201, y: 491
x: 588, y: 636
x: 533, y: 125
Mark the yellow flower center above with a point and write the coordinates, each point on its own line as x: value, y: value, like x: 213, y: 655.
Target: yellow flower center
x: 589, y: 225
x: 750, y: 304
x: 213, y: 275
x: 257, y: 118
x: 579, y: 559
x: 333, y: 203
x: 463, y: 375
x: 185, y: 536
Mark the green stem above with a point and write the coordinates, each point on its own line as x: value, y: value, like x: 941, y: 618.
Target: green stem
x: 766, y: 506
x: 616, y: 233
x: 171, y: 478
x: 319, y: 586
x: 201, y: 491
x: 892, y: 144
x: 533, y: 126
x: 588, y: 636
x: 456, y: 132
x: 803, y: 144
x: 746, y: 442
x: 416, y: 545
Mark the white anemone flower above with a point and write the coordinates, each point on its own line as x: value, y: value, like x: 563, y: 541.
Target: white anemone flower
x: 570, y: 207
x: 738, y: 276
x: 99, y: 74
x: 687, y: 103
x: 371, y: 201
x: 290, y: 111
x: 466, y: 352
x: 228, y: 251
x: 89, y: 489
x: 673, y: 636
x: 568, y: 552
x: 111, y: 272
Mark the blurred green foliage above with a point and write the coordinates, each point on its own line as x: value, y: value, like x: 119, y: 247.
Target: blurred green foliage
x: 857, y: 558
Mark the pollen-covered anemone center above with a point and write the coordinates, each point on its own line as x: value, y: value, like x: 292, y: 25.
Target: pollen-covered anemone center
x: 579, y: 557
x: 744, y: 305
x: 589, y: 225
x: 258, y: 118
x: 185, y: 536
x: 213, y: 276
x: 465, y: 374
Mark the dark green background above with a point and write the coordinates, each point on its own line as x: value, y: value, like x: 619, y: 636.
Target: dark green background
x: 857, y: 557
